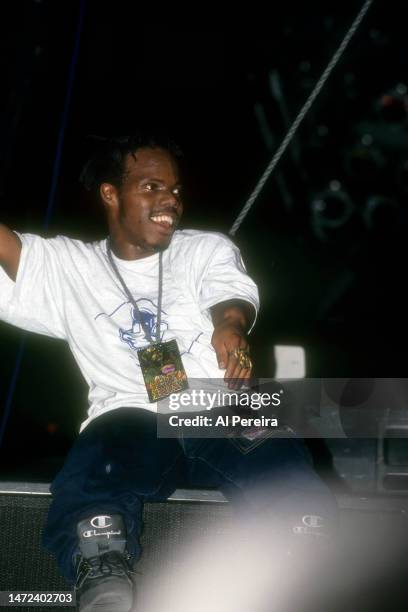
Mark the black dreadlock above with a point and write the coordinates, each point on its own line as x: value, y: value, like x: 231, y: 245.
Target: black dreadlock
x: 107, y: 164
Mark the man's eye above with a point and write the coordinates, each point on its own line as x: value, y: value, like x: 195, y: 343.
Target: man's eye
x: 150, y: 186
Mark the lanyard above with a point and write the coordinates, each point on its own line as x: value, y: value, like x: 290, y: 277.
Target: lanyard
x: 131, y: 298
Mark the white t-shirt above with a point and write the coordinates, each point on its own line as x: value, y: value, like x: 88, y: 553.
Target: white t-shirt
x: 67, y: 289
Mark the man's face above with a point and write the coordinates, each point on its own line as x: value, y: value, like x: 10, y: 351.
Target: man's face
x: 147, y: 208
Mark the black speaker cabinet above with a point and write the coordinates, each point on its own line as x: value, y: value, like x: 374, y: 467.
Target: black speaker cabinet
x: 379, y: 522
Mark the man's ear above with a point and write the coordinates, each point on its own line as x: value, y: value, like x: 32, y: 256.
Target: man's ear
x: 109, y: 194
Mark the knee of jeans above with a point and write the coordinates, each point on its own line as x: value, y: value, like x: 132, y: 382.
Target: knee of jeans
x: 191, y: 446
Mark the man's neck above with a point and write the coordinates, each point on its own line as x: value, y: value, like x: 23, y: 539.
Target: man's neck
x: 129, y: 251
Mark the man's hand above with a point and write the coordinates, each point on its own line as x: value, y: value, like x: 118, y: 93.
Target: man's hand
x: 231, y: 321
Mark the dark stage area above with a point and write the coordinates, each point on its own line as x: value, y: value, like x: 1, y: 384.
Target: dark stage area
x: 325, y: 240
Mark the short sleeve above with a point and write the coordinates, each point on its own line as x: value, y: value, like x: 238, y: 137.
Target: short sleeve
x: 224, y: 276
x: 34, y: 301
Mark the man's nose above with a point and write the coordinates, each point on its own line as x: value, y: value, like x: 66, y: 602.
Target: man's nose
x: 171, y: 199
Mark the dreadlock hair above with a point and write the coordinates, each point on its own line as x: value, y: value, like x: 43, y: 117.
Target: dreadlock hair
x: 107, y: 164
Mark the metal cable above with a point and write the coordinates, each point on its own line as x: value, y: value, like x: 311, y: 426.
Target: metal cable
x: 301, y: 115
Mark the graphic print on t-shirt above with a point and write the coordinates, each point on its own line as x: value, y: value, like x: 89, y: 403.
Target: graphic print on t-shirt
x: 134, y: 336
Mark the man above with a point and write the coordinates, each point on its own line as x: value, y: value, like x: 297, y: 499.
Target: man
x: 122, y: 303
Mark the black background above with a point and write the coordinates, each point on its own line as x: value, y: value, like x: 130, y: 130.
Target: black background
x: 200, y: 76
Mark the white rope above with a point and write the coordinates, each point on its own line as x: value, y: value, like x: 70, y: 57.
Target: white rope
x: 301, y: 115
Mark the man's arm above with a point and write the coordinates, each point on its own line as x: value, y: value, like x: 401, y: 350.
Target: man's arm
x: 10, y: 249
x: 232, y: 319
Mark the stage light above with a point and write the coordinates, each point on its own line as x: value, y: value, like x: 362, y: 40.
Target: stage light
x: 381, y: 213
x: 331, y: 210
x: 393, y: 105
x: 364, y: 161
x: 322, y: 130
x: 52, y: 428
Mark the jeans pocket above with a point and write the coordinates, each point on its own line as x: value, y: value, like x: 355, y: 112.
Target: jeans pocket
x: 245, y: 445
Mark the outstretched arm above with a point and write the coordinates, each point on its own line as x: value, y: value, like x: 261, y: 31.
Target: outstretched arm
x: 10, y: 249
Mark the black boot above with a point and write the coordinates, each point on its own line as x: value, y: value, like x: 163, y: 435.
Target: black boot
x: 104, y: 574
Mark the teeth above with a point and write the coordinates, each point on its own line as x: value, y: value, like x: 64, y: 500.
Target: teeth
x: 163, y: 218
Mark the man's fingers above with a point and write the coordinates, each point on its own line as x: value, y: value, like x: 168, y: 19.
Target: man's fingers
x: 239, y: 367
x: 232, y: 353
x: 231, y: 365
x: 222, y: 356
x: 239, y: 376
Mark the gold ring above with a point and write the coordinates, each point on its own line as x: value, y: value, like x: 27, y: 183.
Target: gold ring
x: 243, y: 358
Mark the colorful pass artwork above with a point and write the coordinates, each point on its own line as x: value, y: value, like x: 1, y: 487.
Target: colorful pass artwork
x: 162, y: 369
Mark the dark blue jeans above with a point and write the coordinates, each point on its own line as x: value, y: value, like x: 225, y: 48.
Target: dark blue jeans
x: 118, y: 462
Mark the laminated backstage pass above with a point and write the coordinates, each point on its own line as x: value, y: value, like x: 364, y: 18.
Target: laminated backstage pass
x: 162, y: 369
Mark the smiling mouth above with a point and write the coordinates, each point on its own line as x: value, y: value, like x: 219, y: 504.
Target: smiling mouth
x: 164, y: 221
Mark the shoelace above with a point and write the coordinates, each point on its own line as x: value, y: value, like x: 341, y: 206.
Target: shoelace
x: 108, y: 564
